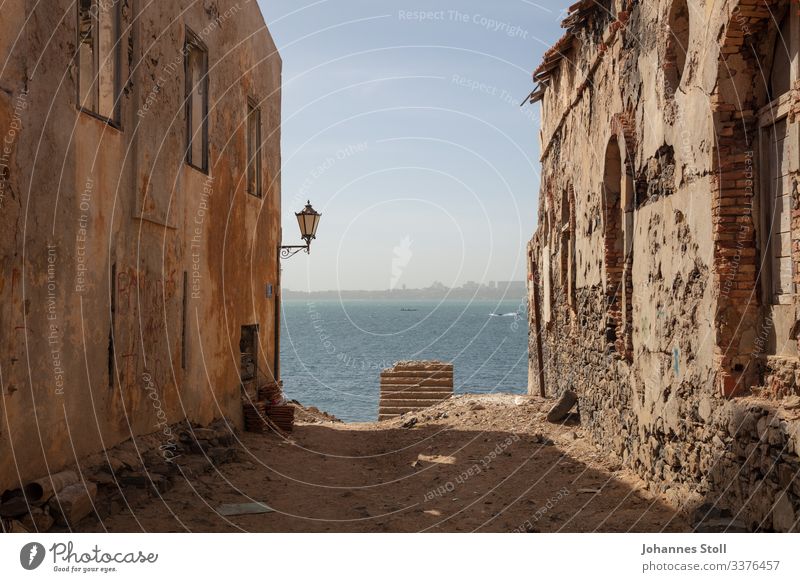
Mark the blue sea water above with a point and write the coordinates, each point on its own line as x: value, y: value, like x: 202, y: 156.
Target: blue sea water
x: 332, y: 352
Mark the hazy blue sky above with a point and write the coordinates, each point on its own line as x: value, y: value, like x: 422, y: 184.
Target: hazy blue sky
x: 401, y: 123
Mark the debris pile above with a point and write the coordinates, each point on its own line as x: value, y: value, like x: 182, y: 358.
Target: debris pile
x: 106, y: 483
x: 312, y: 414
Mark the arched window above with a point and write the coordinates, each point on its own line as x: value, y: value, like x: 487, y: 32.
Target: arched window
x: 612, y: 231
x: 677, y: 44
x: 567, y: 245
x: 618, y: 239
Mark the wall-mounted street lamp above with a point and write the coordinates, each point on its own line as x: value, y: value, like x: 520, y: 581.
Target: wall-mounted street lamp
x: 308, y: 220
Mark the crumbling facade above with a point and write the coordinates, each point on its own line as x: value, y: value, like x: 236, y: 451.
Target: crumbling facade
x: 139, y: 221
x: 664, y: 269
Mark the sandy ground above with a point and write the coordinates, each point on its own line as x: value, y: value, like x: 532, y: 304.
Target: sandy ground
x: 474, y: 463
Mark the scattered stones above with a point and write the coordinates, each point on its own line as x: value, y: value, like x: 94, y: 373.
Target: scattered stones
x: 118, y: 478
x: 38, y: 520
x: 222, y: 455
x: 410, y: 423
x: 17, y: 527
x: 122, y: 458
x: 158, y: 484
x: 540, y: 439
x: 721, y: 525
x: 73, y: 503
x: 561, y: 409
x: 14, y: 506
x: 791, y: 403
x: 783, y: 514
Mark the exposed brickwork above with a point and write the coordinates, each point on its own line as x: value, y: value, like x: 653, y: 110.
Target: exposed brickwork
x: 735, y: 252
x: 661, y: 340
x: 409, y: 386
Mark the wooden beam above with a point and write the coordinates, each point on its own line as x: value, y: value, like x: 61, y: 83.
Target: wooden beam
x: 537, y: 328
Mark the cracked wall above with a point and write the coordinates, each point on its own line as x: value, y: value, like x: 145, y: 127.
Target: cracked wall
x: 661, y: 165
x: 127, y: 275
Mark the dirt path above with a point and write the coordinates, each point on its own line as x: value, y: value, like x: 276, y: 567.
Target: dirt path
x: 475, y: 463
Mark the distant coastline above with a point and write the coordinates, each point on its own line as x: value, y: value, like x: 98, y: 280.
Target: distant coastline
x: 500, y: 291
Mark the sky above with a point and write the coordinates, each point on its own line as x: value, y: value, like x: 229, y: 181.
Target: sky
x: 402, y: 125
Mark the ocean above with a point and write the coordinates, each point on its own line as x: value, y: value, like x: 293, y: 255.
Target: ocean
x: 332, y: 352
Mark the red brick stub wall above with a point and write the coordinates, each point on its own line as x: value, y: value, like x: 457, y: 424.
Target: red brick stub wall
x: 413, y: 385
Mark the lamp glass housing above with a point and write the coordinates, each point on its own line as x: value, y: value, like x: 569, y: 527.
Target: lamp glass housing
x: 308, y: 220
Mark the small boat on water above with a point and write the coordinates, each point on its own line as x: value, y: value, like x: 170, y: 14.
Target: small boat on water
x: 502, y: 315
x: 408, y: 309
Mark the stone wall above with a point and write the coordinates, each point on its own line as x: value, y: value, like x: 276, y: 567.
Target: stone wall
x: 409, y: 386
x: 645, y: 257
x: 126, y: 274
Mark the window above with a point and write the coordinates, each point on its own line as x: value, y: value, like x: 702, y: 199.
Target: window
x: 546, y: 283
x: 196, y: 69
x: 568, y: 246
x: 776, y: 183
x: 618, y: 238
x: 777, y: 273
x: 253, y: 149
x: 99, y: 58
x: 780, y: 75
x: 677, y: 43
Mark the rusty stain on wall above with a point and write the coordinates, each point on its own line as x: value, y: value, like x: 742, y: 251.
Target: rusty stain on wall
x: 100, y: 222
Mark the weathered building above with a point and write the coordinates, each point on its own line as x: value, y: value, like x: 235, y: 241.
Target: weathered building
x: 139, y: 221
x: 664, y: 269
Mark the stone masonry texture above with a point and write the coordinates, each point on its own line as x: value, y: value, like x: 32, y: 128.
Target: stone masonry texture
x: 664, y: 298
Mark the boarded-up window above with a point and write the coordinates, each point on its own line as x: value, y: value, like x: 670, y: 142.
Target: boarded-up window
x: 196, y: 102
x: 253, y: 149
x: 99, y: 58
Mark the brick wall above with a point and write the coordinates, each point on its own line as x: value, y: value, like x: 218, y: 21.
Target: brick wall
x: 409, y: 386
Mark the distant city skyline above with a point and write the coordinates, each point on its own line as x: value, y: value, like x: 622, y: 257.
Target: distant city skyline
x: 471, y: 290
x: 468, y: 285
x: 402, y: 124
